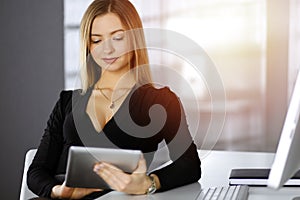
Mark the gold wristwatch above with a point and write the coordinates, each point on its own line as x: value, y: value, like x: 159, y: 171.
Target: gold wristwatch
x: 152, y: 187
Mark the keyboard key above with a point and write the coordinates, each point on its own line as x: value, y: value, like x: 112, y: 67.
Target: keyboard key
x: 234, y: 192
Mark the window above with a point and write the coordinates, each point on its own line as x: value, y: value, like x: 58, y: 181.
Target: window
x: 73, y: 12
x: 294, y: 43
x: 232, y: 33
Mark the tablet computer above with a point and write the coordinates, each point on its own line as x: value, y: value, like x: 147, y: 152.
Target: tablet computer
x: 81, y: 161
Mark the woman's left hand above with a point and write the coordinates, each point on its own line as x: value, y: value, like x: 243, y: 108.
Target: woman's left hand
x: 135, y: 183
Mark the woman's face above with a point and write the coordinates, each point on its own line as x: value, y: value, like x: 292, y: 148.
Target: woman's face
x: 110, y: 46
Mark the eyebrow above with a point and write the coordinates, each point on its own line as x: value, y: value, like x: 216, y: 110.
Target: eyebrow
x: 94, y: 34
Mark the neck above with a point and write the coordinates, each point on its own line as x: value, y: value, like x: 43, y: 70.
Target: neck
x: 116, y: 80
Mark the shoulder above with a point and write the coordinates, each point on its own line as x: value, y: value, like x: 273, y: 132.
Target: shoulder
x: 65, y: 94
x: 155, y: 89
x: 66, y: 97
x: 158, y: 94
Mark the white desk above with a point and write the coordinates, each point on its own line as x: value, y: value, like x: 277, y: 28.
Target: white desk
x: 216, y: 166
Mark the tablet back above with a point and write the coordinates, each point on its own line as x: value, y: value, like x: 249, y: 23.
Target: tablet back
x: 81, y: 162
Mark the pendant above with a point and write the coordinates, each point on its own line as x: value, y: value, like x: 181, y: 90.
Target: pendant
x: 112, y: 105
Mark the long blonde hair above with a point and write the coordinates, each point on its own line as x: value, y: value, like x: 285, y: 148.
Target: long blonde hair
x: 131, y: 21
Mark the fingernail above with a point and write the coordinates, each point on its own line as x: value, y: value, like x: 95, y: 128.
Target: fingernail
x: 97, y: 167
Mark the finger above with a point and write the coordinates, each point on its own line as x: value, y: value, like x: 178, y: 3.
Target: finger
x: 113, y: 176
x: 99, y: 165
x: 142, y: 166
x: 89, y: 190
x: 65, y: 190
x: 104, y: 171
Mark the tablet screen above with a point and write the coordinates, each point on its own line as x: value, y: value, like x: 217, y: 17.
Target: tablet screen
x: 81, y: 161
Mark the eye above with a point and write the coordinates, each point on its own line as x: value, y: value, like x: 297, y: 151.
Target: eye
x: 118, y: 37
x: 95, y: 41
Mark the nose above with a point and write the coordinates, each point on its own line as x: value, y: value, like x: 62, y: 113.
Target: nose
x: 108, y: 47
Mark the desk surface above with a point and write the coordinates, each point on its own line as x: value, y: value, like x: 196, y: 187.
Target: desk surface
x: 216, y: 166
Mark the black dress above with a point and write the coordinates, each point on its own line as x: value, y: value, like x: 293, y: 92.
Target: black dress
x: 147, y: 117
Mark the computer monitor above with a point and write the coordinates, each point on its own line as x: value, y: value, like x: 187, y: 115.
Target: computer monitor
x: 287, y: 159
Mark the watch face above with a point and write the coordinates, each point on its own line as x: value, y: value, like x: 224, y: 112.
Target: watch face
x: 152, y: 187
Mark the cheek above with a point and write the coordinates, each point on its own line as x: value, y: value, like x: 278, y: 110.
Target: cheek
x: 124, y: 59
x: 96, y: 50
x: 122, y: 47
x: 96, y: 54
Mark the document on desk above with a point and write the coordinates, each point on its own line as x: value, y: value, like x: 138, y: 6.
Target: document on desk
x: 257, y: 177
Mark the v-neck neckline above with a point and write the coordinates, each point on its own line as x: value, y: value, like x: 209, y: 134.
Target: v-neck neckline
x: 90, y: 91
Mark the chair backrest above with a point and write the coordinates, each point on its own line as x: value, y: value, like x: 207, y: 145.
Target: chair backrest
x: 25, y: 193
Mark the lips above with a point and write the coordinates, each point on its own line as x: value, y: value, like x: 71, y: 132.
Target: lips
x: 109, y: 60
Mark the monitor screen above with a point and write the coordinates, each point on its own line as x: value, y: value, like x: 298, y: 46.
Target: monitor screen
x: 287, y: 158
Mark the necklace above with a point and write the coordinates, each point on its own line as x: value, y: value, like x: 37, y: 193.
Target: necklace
x: 112, y: 101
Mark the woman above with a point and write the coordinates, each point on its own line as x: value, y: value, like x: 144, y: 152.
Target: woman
x: 115, y: 108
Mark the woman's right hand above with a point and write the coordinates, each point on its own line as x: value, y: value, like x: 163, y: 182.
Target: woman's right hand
x: 64, y: 192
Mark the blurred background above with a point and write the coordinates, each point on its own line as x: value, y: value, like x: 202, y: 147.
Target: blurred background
x: 254, y: 45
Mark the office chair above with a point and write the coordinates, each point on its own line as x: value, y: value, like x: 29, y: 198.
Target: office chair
x: 25, y: 193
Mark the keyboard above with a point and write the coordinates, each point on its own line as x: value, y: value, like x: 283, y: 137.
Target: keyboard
x: 233, y: 192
